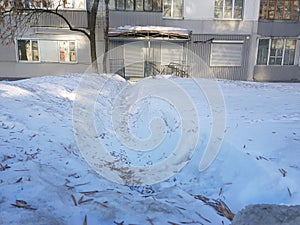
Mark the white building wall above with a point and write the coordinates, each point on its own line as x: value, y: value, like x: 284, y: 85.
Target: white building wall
x: 11, y: 68
x: 199, y: 9
x: 251, y: 9
x: 204, y: 10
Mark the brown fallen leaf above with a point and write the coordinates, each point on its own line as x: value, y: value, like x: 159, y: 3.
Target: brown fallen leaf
x: 84, y: 201
x: 172, y: 223
x: 290, y: 193
x: 19, y: 180
x: 221, y: 208
x: 191, y: 222
x: 88, y: 192
x: 102, y: 204
x: 74, y: 200
x: 202, y: 217
x: 150, y: 221
x: 3, y: 168
x: 220, y: 191
x: 283, y: 171
x: 32, y: 136
x: 85, y: 220
x: 119, y: 223
x: 23, y: 205
x: 21, y: 202
x: 7, y: 157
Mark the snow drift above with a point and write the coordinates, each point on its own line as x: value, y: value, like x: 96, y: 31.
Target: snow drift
x: 45, y: 180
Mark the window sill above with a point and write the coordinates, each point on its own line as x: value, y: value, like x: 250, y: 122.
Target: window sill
x: 135, y: 11
x: 276, y: 65
x: 26, y: 61
x: 40, y: 62
x: 278, y: 21
x: 227, y: 19
x: 173, y: 18
x: 67, y: 62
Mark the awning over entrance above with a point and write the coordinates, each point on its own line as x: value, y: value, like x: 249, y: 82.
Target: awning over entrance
x: 153, y: 32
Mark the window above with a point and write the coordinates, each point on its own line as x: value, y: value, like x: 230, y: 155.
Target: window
x: 47, y: 51
x: 28, y: 50
x: 136, y: 5
x: 277, y: 51
x: 173, y: 9
x: 67, y: 51
x: 226, y: 53
x: 279, y: 9
x: 72, y: 4
x: 263, y: 51
x: 289, y: 52
x: 228, y: 9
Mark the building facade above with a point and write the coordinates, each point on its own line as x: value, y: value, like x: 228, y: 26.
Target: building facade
x: 48, y: 47
x: 229, y: 39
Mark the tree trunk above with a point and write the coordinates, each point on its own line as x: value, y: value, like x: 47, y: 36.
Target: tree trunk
x: 106, y: 30
x: 93, y: 47
x: 93, y: 52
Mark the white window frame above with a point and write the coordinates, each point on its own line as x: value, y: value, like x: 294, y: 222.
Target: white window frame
x: 172, y: 11
x: 54, y: 3
x: 232, y: 12
x: 283, y: 53
x: 42, y: 59
x: 17, y: 50
x: 76, y: 50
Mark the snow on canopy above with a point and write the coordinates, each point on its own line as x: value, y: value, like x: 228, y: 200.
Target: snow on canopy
x: 150, y: 31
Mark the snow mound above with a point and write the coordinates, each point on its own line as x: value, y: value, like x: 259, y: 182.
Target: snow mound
x: 45, y: 180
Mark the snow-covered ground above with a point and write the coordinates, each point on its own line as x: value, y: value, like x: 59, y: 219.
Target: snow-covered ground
x: 44, y: 178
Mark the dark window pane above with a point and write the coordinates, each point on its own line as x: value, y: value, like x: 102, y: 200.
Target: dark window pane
x: 288, y: 10
x: 296, y: 9
x: 129, y: 5
x: 289, y: 54
x: 218, y: 8
x: 279, y: 10
x: 278, y: 60
x: 262, y: 9
x: 148, y: 5
x: 23, y: 45
x: 157, y: 5
x: 238, y: 9
x: 167, y: 8
x: 35, y: 51
x: 272, y: 61
x: 120, y: 4
x: 271, y: 9
x: 177, y: 8
x: 139, y: 5
x: 262, y: 54
x: 228, y: 9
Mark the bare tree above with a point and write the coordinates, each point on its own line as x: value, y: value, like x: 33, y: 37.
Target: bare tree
x: 17, y: 16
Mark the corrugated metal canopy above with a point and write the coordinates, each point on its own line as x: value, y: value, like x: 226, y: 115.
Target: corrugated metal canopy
x: 146, y: 32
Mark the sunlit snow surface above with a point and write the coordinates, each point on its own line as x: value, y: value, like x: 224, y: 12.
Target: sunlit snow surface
x: 43, y: 172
